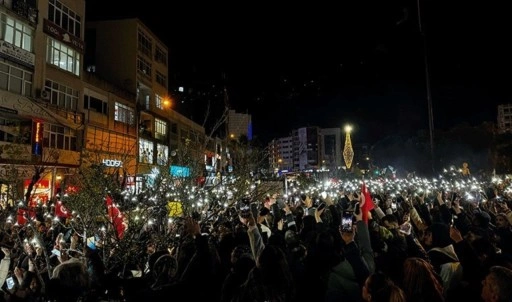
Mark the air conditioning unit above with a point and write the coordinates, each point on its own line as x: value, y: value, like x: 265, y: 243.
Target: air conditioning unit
x: 45, y: 95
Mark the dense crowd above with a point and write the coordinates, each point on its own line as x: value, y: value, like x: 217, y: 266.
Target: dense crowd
x: 411, y: 244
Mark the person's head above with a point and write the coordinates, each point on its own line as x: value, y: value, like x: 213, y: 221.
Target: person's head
x: 272, y: 259
x: 378, y: 287
x: 240, y: 251
x: 69, y: 281
x: 150, y: 247
x: 502, y: 221
x: 439, y: 235
x: 303, y: 197
x: 481, y: 219
x: 496, y: 285
x: 390, y: 222
x: 420, y: 280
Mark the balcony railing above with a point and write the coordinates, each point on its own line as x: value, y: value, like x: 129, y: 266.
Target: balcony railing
x: 25, y: 9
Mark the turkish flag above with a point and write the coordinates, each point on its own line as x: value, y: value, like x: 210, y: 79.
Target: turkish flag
x: 24, y: 215
x: 60, y: 210
x: 116, y: 217
x: 368, y: 205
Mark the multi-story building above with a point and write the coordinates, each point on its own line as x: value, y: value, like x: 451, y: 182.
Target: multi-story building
x: 41, y: 46
x: 306, y: 148
x: 110, y: 132
x: 55, y: 110
x: 130, y: 55
x: 239, y: 124
x: 505, y: 118
x: 281, y: 154
x: 331, y: 147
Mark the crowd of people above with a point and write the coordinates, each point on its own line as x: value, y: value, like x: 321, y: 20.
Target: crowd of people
x: 410, y: 245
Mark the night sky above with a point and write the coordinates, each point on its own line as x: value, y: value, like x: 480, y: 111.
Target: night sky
x: 328, y: 65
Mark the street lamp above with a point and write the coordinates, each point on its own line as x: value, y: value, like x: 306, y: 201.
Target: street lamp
x: 167, y: 102
x: 348, y: 152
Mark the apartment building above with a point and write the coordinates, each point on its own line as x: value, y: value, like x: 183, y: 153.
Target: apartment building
x: 128, y: 54
x: 63, y: 105
x: 307, y: 149
x: 41, y: 50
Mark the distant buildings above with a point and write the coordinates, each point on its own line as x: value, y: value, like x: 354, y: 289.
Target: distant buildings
x: 239, y: 124
x: 505, y: 118
x: 307, y: 149
x: 315, y: 149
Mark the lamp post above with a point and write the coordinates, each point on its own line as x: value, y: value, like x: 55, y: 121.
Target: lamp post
x: 348, y: 152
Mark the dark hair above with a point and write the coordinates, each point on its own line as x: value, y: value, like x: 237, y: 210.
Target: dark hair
x: 303, y: 197
x: 389, y: 218
x: 440, y: 234
x: 383, y: 289
x: 502, y: 277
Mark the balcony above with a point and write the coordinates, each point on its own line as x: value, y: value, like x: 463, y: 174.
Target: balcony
x: 27, y: 9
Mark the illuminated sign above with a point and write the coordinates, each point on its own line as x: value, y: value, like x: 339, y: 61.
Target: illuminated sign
x: 112, y: 163
x: 37, y: 138
x: 62, y: 35
x: 179, y: 171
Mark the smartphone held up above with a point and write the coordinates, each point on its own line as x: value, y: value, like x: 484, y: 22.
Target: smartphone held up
x: 347, y: 221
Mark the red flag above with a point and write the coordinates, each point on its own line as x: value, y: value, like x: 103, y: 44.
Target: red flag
x: 60, y: 210
x: 23, y: 216
x: 368, y: 203
x: 116, y: 217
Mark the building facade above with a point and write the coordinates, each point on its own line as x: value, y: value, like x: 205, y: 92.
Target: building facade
x: 41, y: 122
x: 504, y: 118
x: 330, y: 148
x: 306, y: 148
x: 63, y: 106
x: 130, y: 55
x: 311, y: 149
x: 239, y: 124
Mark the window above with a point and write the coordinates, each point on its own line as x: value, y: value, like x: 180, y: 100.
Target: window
x: 124, y: 114
x: 64, y: 17
x: 15, y: 131
x: 15, y: 32
x: 15, y: 79
x: 162, y: 154
x: 145, y: 44
x: 159, y: 102
x: 160, y: 129
x: 145, y: 151
x: 160, y: 55
x: 95, y: 104
x: 143, y: 66
x: 62, y: 96
x: 59, y: 137
x: 109, y: 141
x: 174, y: 128
x: 161, y: 79
x: 63, y: 56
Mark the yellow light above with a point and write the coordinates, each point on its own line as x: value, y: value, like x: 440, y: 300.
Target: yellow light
x: 38, y: 131
x: 167, y: 102
x: 348, y: 152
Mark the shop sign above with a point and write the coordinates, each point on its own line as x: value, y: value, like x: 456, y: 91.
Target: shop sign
x: 112, y: 163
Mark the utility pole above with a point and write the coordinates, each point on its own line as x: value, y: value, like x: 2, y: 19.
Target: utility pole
x: 427, y: 83
x: 226, y: 124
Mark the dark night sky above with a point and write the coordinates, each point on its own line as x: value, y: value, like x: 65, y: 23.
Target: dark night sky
x: 327, y: 65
